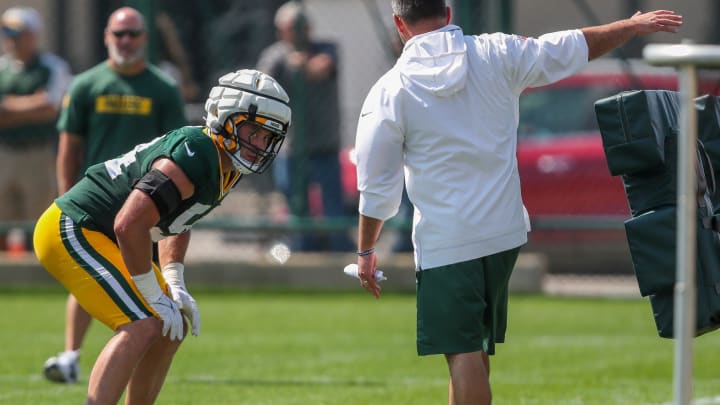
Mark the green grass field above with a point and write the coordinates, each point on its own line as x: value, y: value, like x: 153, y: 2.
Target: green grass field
x: 293, y: 348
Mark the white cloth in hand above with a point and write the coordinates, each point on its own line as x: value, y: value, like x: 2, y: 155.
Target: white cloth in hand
x: 166, y: 309
x: 173, y: 274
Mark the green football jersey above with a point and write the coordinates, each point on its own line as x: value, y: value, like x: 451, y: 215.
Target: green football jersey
x: 96, y: 199
x: 45, y: 72
x: 114, y: 112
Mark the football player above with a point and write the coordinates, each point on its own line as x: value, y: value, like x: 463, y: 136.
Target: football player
x: 96, y: 238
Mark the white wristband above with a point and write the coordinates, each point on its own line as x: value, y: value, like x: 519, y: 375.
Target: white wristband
x: 173, y: 273
x: 148, y: 286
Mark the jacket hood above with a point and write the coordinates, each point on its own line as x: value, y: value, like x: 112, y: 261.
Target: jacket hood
x: 436, y: 61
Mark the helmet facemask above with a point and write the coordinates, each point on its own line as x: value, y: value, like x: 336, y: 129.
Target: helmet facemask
x: 252, y: 142
x: 248, y: 114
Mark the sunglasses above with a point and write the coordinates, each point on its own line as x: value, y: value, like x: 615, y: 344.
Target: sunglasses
x: 130, y: 33
x: 11, y: 33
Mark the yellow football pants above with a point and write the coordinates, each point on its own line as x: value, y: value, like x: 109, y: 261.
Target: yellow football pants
x: 91, y: 268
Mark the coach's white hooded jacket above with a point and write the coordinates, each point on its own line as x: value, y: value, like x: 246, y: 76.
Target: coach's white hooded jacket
x: 447, y: 113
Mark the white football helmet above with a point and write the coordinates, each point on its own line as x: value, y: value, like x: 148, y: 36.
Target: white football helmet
x: 248, y: 97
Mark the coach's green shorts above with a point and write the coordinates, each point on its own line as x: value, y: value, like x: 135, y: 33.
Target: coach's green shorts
x: 462, y: 307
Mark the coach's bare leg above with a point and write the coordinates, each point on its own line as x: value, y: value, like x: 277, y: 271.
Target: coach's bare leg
x: 149, y: 376
x: 469, y: 379
x: 77, y: 322
x: 115, y: 364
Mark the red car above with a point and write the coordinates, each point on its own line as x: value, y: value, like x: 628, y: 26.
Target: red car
x: 577, y: 208
x: 560, y: 154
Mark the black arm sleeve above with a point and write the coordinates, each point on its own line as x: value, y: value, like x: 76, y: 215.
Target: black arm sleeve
x: 161, y: 190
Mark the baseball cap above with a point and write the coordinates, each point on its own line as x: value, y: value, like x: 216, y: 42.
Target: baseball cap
x: 17, y: 20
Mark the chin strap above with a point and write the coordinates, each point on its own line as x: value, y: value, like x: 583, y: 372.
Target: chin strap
x: 252, y: 111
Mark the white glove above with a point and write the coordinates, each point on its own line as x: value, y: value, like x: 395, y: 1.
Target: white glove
x: 173, y: 273
x: 162, y: 304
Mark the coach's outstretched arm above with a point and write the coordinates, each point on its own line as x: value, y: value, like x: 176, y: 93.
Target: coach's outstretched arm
x: 602, y: 39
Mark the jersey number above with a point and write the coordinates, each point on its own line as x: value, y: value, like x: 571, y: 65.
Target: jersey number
x: 182, y: 222
x: 114, y: 166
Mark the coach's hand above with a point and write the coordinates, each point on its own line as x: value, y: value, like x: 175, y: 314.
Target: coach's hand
x: 173, y: 274
x: 166, y: 309
x: 366, y: 273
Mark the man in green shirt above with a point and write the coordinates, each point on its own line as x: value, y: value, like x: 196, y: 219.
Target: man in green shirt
x: 32, y: 84
x: 110, y: 108
x: 96, y: 238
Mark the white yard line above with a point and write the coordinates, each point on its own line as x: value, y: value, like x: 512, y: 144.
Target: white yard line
x: 699, y: 401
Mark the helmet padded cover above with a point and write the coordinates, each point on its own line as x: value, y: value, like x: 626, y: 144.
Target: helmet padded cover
x: 238, y: 90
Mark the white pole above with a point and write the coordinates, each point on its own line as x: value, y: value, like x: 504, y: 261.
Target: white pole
x: 684, y: 316
x: 686, y: 57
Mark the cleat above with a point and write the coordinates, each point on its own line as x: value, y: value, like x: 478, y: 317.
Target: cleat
x: 62, y: 368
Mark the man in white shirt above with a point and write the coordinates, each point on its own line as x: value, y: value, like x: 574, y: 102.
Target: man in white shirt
x: 445, y: 119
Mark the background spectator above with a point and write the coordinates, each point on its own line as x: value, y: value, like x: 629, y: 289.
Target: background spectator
x: 308, y: 69
x: 32, y: 84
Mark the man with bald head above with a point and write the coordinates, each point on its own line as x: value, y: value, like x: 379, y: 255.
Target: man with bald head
x: 110, y: 108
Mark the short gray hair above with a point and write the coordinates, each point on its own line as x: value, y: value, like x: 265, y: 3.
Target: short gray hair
x: 413, y: 11
x: 289, y: 13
